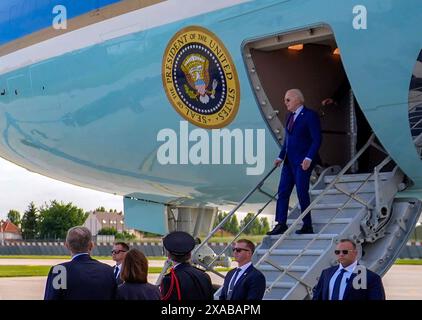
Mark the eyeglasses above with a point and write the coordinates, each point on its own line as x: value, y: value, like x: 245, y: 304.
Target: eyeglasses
x: 337, y: 252
x: 240, y: 250
x: 117, y: 251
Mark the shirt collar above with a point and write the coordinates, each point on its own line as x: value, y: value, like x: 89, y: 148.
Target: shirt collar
x: 350, y: 268
x: 245, y: 266
x: 79, y: 254
x: 299, y: 110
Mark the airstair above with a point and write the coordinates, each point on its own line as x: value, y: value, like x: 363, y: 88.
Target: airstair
x: 361, y: 207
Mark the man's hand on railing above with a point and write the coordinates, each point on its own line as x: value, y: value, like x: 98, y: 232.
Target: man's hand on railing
x: 277, y: 162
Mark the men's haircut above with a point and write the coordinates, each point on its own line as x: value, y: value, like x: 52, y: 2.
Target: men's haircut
x: 134, y: 267
x: 180, y: 259
x: 298, y: 94
x: 248, y: 243
x: 348, y: 240
x: 79, y: 239
x: 123, y: 244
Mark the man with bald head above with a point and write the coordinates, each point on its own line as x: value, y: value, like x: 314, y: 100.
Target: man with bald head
x: 299, y: 152
x: 82, y: 278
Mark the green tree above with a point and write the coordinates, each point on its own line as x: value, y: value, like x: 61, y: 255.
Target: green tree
x: 57, y: 218
x: 125, y: 236
x: 265, y: 225
x: 255, y: 226
x: 15, y: 217
x: 29, y: 223
x: 107, y: 231
x: 233, y: 225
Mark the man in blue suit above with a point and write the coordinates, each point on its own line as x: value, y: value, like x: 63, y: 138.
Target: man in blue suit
x: 340, y: 282
x: 245, y: 282
x: 82, y: 278
x: 299, y: 153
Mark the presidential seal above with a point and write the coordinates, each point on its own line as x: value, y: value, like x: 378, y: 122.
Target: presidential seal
x: 200, y: 78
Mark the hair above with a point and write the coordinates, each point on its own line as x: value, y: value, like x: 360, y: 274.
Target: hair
x: 248, y: 243
x: 79, y: 239
x: 348, y: 240
x: 298, y: 94
x: 134, y: 267
x: 180, y: 259
x: 123, y: 244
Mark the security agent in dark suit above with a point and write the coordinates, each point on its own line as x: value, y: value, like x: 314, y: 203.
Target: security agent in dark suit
x: 245, y: 282
x: 82, y: 278
x: 118, y: 254
x: 184, y: 282
x: 299, y: 153
x: 337, y: 283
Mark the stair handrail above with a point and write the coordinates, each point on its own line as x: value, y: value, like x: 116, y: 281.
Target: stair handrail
x: 285, y: 270
x: 317, y: 199
x: 231, y: 213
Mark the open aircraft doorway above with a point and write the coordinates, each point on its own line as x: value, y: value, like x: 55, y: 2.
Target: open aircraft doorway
x: 309, y: 59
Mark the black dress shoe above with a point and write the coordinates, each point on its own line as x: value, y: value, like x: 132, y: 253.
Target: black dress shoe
x: 278, y: 229
x: 305, y: 230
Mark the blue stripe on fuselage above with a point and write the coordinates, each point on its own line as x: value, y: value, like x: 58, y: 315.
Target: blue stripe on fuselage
x: 19, y: 18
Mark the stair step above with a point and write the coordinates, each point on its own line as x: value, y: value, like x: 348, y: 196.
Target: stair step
x: 317, y: 192
x: 292, y: 252
x: 323, y: 236
x: 325, y: 221
x: 352, y: 204
x: 268, y: 267
x: 357, y: 177
x: 281, y: 285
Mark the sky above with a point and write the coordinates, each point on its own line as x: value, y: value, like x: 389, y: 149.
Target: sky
x: 18, y: 187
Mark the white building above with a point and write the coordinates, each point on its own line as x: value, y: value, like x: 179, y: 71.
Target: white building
x: 98, y: 220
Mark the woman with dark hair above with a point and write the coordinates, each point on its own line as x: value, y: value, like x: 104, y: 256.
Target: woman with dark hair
x: 134, y: 275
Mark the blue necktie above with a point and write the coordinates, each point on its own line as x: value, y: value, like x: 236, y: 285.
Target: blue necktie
x: 116, y: 271
x: 337, y: 283
x: 231, y: 286
x: 291, y: 121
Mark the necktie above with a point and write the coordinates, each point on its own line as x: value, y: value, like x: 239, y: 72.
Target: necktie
x: 232, y: 282
x: 291, y: 121
x: 116, y: 271
x: 337, y: 283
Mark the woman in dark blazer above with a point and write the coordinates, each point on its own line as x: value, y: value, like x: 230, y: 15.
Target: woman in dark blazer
x: 134, y: 273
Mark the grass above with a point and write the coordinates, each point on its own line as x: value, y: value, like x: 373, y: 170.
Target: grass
x: 415, y: 262
x: 40, y: 271
x: 255, y: 239
x: 33, y: 271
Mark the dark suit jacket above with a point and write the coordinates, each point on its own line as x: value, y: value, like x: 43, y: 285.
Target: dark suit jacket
x: 374, y: 288
x: 137, y: 291
x: 194, y: 284
x: 304, y: 140
x: 86, y: 279
x: 250, y: 286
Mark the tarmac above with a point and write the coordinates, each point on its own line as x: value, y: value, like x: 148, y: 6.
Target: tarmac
x: 402, y: 282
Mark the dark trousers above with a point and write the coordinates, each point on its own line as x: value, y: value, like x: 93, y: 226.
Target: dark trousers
x: 292, y: 175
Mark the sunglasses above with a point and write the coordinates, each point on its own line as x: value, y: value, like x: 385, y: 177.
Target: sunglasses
x: 337, y: 252
x: 240, y: 250
x: 117, y: 251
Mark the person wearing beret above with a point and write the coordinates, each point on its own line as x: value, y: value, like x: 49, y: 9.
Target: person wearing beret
x: 183, y: 282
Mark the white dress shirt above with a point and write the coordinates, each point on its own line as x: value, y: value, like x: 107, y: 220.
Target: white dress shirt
x: 240, y: 273
x: 347, y: 274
